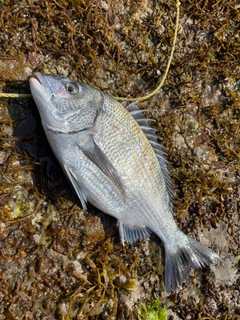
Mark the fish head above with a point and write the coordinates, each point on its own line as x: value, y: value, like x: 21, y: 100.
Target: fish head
x: 65, y: 105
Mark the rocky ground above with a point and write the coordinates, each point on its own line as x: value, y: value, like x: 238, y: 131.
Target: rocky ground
x: 58, y: 262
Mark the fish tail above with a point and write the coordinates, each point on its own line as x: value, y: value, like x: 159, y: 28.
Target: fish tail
x: 179, y: 263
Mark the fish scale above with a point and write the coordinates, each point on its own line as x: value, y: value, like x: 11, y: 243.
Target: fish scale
x: 112, y: 158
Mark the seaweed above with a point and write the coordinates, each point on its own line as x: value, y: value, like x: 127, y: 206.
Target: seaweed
x: 58, y: 262
x: 155, y: 311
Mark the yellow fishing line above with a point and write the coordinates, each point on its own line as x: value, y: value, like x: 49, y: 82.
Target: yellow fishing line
x: 23, y: 95
x: 15, y: 95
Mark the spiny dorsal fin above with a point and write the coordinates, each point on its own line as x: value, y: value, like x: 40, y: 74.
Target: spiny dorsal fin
x: 150, y: 133
x: 131, y: 106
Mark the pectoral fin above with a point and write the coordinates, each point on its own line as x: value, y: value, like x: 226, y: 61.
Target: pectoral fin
x: 91, y: 150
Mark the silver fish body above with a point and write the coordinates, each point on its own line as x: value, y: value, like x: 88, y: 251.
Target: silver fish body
x: 111, y: 156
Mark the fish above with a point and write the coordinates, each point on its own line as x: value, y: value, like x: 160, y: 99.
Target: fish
x: 111, y: 156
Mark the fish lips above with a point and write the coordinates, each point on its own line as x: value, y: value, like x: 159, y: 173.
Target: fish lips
x: 42, y: 94
x: 39, y: 87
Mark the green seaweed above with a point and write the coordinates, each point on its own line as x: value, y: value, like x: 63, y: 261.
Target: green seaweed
x: 154, y: 311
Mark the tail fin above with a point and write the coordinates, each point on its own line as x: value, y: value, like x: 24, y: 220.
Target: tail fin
x: 178, y: 265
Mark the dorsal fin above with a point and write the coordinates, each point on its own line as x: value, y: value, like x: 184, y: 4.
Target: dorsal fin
x: 149, y: 130
x: 150, y: 133
x: 151, y: 137
x: 132, y: 106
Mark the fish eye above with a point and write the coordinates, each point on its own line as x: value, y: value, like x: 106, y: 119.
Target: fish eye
x: 71, y: 88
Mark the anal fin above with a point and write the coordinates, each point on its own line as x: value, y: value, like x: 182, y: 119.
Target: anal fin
x: 131, y: 235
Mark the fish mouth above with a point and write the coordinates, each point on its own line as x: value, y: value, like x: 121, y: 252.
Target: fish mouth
x: 36, y: 76
x: 38, y: 84
x: 40, y: 79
